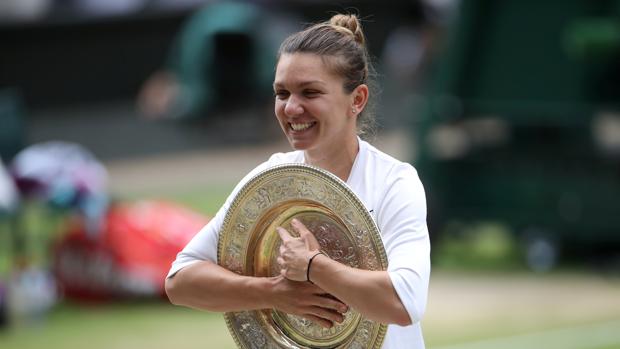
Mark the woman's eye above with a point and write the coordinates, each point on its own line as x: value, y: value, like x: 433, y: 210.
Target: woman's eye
x: 311, y: 93
x: 281, y: 94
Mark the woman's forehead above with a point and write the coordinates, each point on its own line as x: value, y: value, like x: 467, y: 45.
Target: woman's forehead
x: 302, y: 69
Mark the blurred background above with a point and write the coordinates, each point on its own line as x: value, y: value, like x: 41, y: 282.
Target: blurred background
x: 124, y: 124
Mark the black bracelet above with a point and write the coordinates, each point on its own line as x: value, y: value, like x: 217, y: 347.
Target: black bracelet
x: 310, y: 263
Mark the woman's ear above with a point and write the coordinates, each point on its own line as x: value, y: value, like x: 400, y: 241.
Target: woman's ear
x: 360, y: 98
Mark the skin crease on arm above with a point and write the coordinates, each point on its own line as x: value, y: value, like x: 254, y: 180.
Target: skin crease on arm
x: 369, y: 292
x: 207, y: 286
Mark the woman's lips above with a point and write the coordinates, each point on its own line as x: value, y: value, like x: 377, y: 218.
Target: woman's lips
x: 301, y: 126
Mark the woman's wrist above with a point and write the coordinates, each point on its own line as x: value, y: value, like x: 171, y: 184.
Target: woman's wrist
x: 316, y: 265
x: 264, y: 289
x: 313, y: 255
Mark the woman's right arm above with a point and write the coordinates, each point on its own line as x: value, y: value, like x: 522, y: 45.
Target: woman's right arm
x: 207, y: 286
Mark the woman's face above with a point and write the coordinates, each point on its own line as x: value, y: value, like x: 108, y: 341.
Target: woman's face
x: 311, y: 105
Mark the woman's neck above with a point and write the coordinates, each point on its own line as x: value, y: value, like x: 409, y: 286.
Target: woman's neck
x: 337, y: 160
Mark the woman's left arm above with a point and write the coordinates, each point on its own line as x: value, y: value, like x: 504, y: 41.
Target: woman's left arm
x: 396, y: 296
x: 369, y: 292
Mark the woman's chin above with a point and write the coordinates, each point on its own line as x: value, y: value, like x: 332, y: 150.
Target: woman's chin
x: 299, y: 144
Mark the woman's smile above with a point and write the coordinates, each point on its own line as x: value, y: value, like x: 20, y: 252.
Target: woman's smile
x: 300, y: 127
x: 301, y: 133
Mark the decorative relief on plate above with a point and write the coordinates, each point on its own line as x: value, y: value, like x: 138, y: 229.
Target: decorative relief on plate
x: 249, y: 245
x: 333, y: 242
x: 250, y: 334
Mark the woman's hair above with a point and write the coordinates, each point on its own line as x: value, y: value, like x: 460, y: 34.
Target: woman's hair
x: 341, y: 44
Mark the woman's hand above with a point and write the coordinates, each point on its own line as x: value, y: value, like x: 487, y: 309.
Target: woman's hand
x: 295, y: 253
x: 299, y: 297
x: 308, y: 301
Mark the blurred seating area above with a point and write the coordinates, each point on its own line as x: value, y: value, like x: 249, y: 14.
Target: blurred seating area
x: 114, y: 66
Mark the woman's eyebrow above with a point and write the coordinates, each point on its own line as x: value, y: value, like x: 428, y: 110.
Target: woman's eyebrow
x: 301, y: 84
x: 305, y: 83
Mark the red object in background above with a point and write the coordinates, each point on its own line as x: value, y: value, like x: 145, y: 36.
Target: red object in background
x: 131, y: 256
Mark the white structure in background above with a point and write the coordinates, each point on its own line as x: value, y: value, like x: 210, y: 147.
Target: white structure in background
x: 9, y: 198
x: 23, y: 10
x: 66, y: 175
x: 31, y: 294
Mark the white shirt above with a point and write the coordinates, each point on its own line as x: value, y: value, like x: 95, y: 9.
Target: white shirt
x: 393, y: 194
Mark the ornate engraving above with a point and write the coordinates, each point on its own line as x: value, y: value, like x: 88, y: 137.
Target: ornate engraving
x: 233, y: 264
x: 281, y: 188
x: 262, y: 198
x: 250, y: 332
x: 364, y: 334
x: 333, y: 241
x: 313, y: 331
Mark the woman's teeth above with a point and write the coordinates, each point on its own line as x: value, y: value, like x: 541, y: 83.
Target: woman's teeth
x: 300, y: 127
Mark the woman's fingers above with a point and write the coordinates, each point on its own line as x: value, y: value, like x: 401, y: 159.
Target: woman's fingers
x: 309, y: 301
x: 295, y: 253
x: 330, y: 315
x: 306, y: 235
x: 284, y: 235
x: 328, y: 302
x: 325, y: 300
x: 300, y: 228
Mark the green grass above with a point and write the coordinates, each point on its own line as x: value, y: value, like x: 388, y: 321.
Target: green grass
x: 206, y: 200
x: 602, y: 334
x: 514, y: 323
x: 150, y: 325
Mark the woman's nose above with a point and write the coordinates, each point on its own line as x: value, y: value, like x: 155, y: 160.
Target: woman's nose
x: 293, y: 106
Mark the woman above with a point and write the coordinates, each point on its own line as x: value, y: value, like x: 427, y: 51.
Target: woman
x: 321, y: 92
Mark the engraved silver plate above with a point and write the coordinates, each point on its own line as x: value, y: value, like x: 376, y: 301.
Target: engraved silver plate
x: 249, y: 245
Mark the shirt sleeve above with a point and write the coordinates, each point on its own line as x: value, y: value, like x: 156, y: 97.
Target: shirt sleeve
x: 402, y: 221
x: 203, y: 246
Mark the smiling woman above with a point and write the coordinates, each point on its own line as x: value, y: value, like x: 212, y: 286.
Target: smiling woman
x: 321, y: 95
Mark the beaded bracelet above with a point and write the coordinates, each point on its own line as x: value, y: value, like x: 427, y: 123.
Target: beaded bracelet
x: 310, y: 263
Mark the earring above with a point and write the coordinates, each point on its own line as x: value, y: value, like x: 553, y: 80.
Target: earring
x: 354, y: 110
